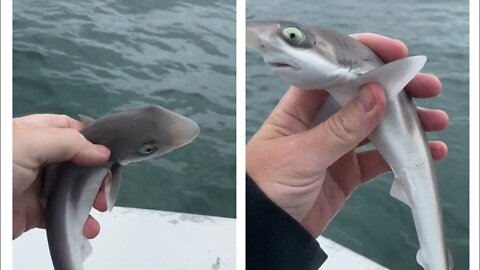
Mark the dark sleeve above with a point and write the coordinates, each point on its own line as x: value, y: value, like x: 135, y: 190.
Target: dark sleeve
x: 275, y: 240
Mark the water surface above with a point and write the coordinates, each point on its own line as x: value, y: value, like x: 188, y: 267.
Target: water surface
x: 97, y: 57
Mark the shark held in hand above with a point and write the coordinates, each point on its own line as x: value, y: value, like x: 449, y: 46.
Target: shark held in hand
x: 70, y: 190
x: 319, y: 58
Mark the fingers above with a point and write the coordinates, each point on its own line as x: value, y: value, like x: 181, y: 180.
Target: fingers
x: 424, y: 86
x: 372, y: 163
x: 100, y: 202
x: 432, y: 120
x: 345, y: 129
x: 50, y: 120
x: 386, y: 48
x: 91, y: 228
x: 49, y: 145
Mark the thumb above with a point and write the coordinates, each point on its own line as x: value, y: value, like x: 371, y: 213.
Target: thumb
x: 49, y: 145
x: 344, y: 130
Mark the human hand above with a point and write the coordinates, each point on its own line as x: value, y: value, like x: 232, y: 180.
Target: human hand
x: 310, y: 173
x: 39, y: 140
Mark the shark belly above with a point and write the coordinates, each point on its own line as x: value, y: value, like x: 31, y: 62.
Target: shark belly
x: 68, y: 207
x: 401, y: 140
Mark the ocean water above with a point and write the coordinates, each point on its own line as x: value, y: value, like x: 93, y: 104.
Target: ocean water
x: 372, y: 223
x: 97, y: 57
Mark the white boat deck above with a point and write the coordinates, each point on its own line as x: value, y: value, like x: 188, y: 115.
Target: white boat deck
x: 147, y: 239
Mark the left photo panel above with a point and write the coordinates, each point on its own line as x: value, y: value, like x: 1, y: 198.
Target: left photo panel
x: 124, y: 134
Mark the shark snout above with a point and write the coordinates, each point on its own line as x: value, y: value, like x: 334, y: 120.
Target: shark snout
x: 252, y: 40
x: 184, y: 131
x: 258, y: 34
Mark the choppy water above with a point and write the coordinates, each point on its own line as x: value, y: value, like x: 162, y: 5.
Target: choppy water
x: 372, y: 223
x: 97, y: 57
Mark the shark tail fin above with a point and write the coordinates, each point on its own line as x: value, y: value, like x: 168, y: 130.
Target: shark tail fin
x: 402, y: 189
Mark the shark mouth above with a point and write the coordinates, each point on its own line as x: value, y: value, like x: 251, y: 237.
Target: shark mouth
x: 278, y: 65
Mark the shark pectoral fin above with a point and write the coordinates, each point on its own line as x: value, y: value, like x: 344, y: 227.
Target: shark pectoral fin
x: 330, y: 107
x: 399, y: 189
x: 86, y: 249
x: 113, y: 186
x: 86, y: 119
x: 398, y: 192
x: 421, y: 259
x: 394, y: 76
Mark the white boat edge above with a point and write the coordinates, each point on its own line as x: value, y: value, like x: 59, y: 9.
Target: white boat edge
x: 169, y: 240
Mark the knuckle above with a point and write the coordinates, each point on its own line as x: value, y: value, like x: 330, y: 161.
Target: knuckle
x: 64, y: 120
x: 341, y: 127
x: 75, y: 137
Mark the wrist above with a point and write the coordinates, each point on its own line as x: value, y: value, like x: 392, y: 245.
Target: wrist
x: 294, y: 200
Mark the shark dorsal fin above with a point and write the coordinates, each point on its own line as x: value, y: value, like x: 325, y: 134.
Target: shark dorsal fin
x: 86, y: 120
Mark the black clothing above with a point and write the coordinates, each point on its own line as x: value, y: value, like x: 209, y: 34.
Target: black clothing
x: 275, y: 240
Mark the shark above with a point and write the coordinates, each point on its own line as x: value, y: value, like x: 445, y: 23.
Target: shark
x: 314, y: 57
x: 69, y: 190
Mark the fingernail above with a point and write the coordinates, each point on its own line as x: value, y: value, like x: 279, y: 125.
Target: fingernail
x: 365, y: 100
x: 102, y: 149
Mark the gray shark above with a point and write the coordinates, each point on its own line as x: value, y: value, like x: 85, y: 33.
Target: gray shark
x: 69, y: 190
x: 319, y: 58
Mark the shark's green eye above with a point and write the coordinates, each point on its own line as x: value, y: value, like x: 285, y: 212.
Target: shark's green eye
x: 148, y: 148
x: 293, y: 35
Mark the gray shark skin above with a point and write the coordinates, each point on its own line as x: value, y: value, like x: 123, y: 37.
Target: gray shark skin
x: 69, y: 190
x: 318, y: 58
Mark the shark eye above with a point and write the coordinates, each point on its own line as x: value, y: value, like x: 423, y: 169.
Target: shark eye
x: 293, y: 35
x: 148, y: 148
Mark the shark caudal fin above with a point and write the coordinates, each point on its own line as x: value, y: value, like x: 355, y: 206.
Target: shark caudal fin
x: 393, y: 77
x: 401, y: 191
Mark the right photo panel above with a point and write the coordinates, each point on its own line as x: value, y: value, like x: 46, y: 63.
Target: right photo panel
x: 357, y: 135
